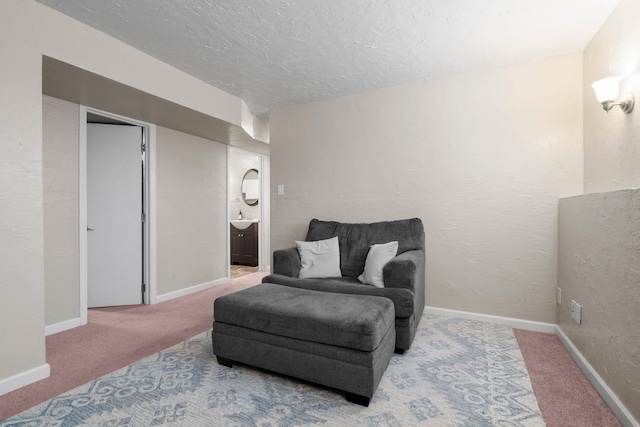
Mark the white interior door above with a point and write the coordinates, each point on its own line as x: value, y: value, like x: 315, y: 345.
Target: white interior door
x: 114, y: 215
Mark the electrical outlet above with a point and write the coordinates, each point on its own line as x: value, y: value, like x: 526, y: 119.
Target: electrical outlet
x: 576, y: 312
x: 280, y: 189
x: 558, y: 295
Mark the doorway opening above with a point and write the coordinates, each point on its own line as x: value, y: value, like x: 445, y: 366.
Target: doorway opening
x: 247, y: 211
x: 139, y: 186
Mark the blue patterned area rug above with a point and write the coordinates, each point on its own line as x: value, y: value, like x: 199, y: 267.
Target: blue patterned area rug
x: 457, y: 373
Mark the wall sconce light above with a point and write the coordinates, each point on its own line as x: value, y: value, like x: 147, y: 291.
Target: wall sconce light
x: 607, y: 92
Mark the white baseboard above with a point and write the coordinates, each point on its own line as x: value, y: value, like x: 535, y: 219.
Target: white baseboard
x: 528, y: 325
x: 598, y: 383
x: 24, y: 378
x: 191, y: 290
x: 62, y: 326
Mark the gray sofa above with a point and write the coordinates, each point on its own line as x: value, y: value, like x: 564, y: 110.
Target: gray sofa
x: 403, y: 276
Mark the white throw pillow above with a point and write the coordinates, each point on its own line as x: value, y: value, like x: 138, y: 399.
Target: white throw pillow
x: 319, y: 259
x: 377, y: 258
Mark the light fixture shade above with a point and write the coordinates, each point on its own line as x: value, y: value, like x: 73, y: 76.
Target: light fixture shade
x: 607, y: 89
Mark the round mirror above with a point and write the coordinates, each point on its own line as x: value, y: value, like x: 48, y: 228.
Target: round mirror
x: 250, y: 187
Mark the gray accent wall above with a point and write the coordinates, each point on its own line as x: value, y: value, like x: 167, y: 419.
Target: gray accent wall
x: 599, y: 268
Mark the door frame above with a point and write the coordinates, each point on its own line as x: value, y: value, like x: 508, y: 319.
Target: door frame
x: 148, y: 203
x: 263, y: 234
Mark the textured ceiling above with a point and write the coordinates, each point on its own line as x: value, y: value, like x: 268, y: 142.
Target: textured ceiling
x: 277, y: 53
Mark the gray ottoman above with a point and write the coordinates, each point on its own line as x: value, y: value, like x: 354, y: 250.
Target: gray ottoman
x: 337, y: 340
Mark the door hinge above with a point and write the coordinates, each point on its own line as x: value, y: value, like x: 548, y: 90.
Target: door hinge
x: 144, y: 288
x: 143, y: 217
x: 143, y: 146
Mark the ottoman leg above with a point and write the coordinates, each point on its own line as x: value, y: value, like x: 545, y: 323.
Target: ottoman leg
x: 225, y: 362
x: 357, y: 399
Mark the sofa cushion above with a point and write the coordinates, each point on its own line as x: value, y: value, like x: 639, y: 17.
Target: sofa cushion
x: 319, y: 259
x: 377, y: 258
x: 356, y: 239
x: 403, y: 299
x: 351, y: 321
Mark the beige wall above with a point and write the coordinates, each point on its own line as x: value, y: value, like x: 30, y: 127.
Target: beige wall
x: 191, y: 210
x: 481, y: 157
x: 30, y: 30
x: 21, y: 201
x: 60, y: 129
x: 599, y: 259
x: 612, y: 141
x: 191, y: 222
x: 191, y: 203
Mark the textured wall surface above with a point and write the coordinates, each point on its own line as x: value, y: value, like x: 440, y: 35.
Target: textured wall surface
x: 191, y: 210
x: 481, y: 157
x: 35, y: 30
x: 599, y: 267
x: 612, y: 141
x: 60, y: 130
x: 21, y: 204
x: 599, y: 256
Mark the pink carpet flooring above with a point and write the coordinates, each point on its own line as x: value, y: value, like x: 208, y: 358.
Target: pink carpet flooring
x: 115, y: 337
x: 118, y: 336
x: 565, y: 396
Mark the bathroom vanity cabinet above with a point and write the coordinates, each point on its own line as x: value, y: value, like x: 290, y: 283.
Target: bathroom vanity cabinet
x: 244, y: 245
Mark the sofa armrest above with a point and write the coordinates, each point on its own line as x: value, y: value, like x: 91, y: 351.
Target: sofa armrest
x: 407, y: 270
x: 286, y: 262
x: 402, y: 271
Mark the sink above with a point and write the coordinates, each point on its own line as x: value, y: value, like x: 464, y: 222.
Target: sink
x: 241, y: 224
